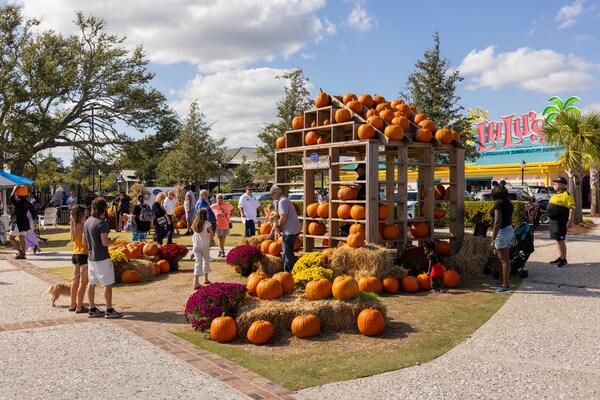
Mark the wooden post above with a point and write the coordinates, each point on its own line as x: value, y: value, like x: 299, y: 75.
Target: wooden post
x: 372, y: 191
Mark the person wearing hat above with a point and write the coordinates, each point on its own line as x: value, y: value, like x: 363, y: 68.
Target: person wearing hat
x: 248, y: 204
x: 361, y: 171
x: 560, y: 210
x: 19, y: 219
x: 290, y: 227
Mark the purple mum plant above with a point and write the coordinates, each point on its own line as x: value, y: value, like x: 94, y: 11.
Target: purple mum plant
x: 212, y: 301
x: 244, y: 254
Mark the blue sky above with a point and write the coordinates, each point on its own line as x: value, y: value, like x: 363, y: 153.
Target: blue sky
x: 514, y: 55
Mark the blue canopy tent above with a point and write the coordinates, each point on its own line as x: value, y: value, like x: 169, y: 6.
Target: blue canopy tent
x: 8, y: 181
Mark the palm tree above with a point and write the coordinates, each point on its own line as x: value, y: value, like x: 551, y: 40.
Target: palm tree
x: 579, y: 136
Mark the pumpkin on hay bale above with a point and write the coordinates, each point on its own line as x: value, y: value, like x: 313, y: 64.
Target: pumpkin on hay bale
x: 254, y: 240
x: 270, y: 265
x: 335, y: 315
x: 145, y: 268
x: 368, y: 260
x: 473, y: 257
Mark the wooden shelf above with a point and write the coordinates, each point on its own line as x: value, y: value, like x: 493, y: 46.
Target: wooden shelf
x: 290, y: 167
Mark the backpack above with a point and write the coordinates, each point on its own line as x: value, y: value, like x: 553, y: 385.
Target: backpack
x: 146, y: 214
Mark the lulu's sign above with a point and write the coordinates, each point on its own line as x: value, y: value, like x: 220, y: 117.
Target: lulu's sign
x: 510, y: 131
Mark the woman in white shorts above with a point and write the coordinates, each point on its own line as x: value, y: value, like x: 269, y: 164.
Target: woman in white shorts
x: 502, y: 235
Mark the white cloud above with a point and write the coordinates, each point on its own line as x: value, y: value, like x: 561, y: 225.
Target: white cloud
x: 213, y: 34
x: 594, y: 107
x: 359, y: 18
x: 567, y: 14
x: 543, y: 71
x: 580, y: 39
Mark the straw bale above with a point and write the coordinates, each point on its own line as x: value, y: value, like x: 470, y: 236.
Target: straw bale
x: 368, y: 260
x: 254, y: 240
x: 144, y: 267
x: 150, y: 258
x: 472, y: 258
x: 335, y: 315
x: 270, y: 265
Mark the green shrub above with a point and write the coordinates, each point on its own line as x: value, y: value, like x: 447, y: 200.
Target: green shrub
x: 475, y: 210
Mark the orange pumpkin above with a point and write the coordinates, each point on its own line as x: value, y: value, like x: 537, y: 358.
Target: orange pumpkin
x: 264, y: 246
x: 180, y: 225
x: 355, y: 240
x: 349, y: 97
x: 357, y: 228
x: 322, y: 99
x: 319, y: 289
x: 376, y: 121
x: 342, y: 115
x: 394, y: 104
x: 298, y: 122
x: 390, y: 285
x: 135, y: 252
x: 156, y: 269
x: 370, y: 284
x: 439, y: 192
x: 164, y: 266
x: 377, y: 99
x: 404, y: 109
x: 357, y: 212
x: 275, y: 249
x: 371, y: 113
x: 355, y: 106
x: 366, y: 100
x: 402, y: 122
x: 317, y: 228
x: 280, y: 142
x: 223, y: 329
x: 443, y: 248
x: 394, y: 132
x: 409, y: 284
x: 451, y: 278
x: 125, y: 252
x: 423, y: 135
x: 323, y: 210
x: 266, y: 228
x: 419, y: 229
x: 383, y: 106
x: 366, y: 131
x: 304, y: 326
x: 269, y: 289
x: 131, y: 276
x: 312, y: 210
x: 21, y: 191
x: 427, y: 124
x: 326, y: 122
x: 439, y: 213
x: 150, y: 249
x: 387, y: 115
x: 384, y: 211
x: 444, y: 135
x: 344, y: 287
x: 370, y: 322
x: 424, y: 282
x: 253, y: 280
x: 391, y: 232
x: 260, y: 332
x: 311, y: 138
x: 419, y: 117
x: 343, y: 211
x: 298, y: 244
x: 347, y: 193
x: 287, y: 281
x: 323, y: 139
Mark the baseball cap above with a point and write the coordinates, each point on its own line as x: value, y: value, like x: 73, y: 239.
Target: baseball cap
x: 275, y: 189
x: 361, y: 165
x: 562, y: 180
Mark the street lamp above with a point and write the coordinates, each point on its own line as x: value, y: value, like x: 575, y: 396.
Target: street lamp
x: 523, y: 163
x: 100, y: 180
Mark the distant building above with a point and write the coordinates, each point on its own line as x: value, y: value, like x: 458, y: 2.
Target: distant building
x: 125, y: 179
x: 233, y: 158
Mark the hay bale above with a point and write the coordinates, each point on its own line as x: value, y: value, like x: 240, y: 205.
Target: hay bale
x: 472, y: 258
x: 270, y: 265
x: 144, y: 267
x: 150, y: 258
x: 335, y: 315
x: 368, y: 260
x: 254, y: 240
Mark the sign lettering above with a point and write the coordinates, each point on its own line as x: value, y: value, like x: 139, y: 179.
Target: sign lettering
x: 510, y: 131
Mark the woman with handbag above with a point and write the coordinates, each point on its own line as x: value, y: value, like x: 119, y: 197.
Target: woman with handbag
x: 161, y: 223
x: 222, y: 211
x: 141, y: 218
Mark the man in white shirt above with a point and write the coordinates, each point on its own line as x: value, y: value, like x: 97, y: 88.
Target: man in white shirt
x: 169, y: 205
x: 248, y: 205
x: 72, y: 200
x: 188, y: 206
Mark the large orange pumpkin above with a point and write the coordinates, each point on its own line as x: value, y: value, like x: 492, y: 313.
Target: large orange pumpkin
x: 391, y: 232
x: 423, y: 135
x: 135, y: 252
x: 253, y: 280
x: 125, y: 252
x: 370, y: 322
x: 266, y: 228
x: 150, y: 249
x: 370, y: 284
x: 444, y: 135
x: 355, y: 240
x: 323, y: 210
x: 287, y: 281
x: 269, y: 289
x: 427, y: 124
x: 366, y: 100
x: 402, y: 122
x: 370, y: 113
x: 390, y: 285
x: 321, y: 100
x: 349, y: 97
x: 419, y: 117
x: 409, y: 284
x: 260, y: 332
x: 419, y: 229
x: 280, y: 142
x: 376, y: 121
x: 264, y: 246
x: 404, y: 109
x: 304, y: 326
x: 319, y: 289
x: 384, y: 211
x: 164, y: 266
x: 396, y: 102
x: 439, y: 213
x: 21, y: 191
x: 383, y: 106
x: 131, y: 276
x: 387, y: 115
x: 357, y: 212
x: 347, y: 193
x: 343, y: 211
x: 312, y: 210
x: 298, y: 122
x: 357, y: 228
x: 344, y: 287
x: 394, y: 132
x: 317, y: 228
x: 275, y: 249
x: 377, y: 99
x: 451, y: 278
x: 342, y: 115
x: 439, y: 192
x: 223, y: 329
x: 443, y: 248
x: 355, y: 106
x: 424, y: 282
x: 311, y: 138
x: 366, y: 131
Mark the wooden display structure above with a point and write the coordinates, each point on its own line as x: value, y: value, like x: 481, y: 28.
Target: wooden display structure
x: 393, y: 159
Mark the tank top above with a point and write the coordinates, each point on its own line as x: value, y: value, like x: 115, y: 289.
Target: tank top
x: 78, y: 246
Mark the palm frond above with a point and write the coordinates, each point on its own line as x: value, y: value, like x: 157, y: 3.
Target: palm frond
x: 570, y: 101
x: 556, y: 100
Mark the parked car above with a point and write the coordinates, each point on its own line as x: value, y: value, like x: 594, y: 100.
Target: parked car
x: 542, y: 192
x: 296, y: 196
x: 232, y: 196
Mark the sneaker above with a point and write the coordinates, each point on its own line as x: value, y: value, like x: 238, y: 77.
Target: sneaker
x: 503, y: 289
x: 210, y: 259
x: 188, y: 233
x: 496, y: 285
x: 95, y: 312
x: 432, y: 291
x: 112, y: 313
x: 443, y: 290
x: 83, y: 310
x: 20, y: 256
x: 562, y: 264
x: 557, y: 261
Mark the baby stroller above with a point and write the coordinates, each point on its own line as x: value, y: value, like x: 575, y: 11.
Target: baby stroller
x: 521, y: 249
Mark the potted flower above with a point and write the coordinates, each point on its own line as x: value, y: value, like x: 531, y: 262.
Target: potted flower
x: 244, y: 256
x: 172, y: 253
x: 212, y: 301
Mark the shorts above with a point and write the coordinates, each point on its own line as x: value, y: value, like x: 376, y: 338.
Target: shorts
x: 189, y: 216
x: 558, y: 229
x: 101, y: 272
x: 505, y: 237
x: 222, y: 232
x: 16, y: 232
x: 79, y: 259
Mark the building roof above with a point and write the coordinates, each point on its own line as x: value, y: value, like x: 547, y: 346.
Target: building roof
x: 127, y: 175
x: 514, y: 155
x: 236, y: 155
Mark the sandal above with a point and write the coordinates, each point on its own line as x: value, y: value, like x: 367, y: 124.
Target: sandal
x: 73, y: 309
x: 207, y: 282
x: 197, y: 287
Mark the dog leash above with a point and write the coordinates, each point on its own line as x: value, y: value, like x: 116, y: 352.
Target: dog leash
x: 77, y: 276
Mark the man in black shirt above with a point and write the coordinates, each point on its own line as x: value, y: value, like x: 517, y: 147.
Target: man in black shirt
x: 361, y: 171
x: 19, y: 220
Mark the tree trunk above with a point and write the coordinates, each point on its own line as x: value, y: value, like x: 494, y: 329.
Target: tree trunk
x: 595, y: 186
x: 575, y: 190
x: 18, y: 167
